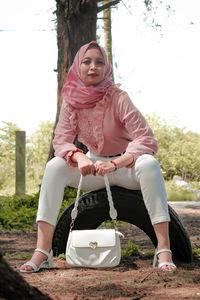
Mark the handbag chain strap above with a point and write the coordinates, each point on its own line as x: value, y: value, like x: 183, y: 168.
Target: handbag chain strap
x: 112, y: 211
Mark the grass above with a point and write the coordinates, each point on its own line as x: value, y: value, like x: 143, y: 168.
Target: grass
x: 196, y: 253
x: 175, y: 193
x: 131, y: 250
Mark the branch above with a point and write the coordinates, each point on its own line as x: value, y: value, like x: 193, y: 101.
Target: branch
x: 108, y: 5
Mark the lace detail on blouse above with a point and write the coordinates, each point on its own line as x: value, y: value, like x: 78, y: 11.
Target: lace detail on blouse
x: 90, y: 132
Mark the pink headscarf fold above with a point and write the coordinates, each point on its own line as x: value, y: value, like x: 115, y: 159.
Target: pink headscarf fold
x: 75, y: 92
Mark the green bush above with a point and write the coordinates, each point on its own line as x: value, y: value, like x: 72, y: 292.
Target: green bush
x: 196, y: 253
x: 18, y: 213
x: 131, y: 250
x: 175, y: 193
x: 174, y: 149
x: 195, y: 184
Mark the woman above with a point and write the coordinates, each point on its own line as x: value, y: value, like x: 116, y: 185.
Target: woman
x: 120, y: 144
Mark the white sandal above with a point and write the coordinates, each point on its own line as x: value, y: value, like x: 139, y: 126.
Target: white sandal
x: 160, y: 265
x: 46, y: 264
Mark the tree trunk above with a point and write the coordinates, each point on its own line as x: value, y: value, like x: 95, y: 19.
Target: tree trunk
x: 107, y: 31
x: 76, y: 26
x: 14, y: 287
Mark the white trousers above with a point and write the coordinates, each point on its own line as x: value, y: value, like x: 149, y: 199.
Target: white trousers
x: 145, y: 176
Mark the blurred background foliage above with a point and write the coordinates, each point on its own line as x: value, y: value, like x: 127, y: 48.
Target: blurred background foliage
x: 179, y: 149
x: 37, y: 149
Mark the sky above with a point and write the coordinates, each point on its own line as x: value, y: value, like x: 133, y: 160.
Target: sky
x: 158, y: 68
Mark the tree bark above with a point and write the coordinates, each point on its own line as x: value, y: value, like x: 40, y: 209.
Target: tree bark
x: 14, y: 287
x: 76, y: 26
x: 108, y: 31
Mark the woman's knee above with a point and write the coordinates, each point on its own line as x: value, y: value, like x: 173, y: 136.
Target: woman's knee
x: 148, y: 164
x: 58, y: 170
x: 56, y: 165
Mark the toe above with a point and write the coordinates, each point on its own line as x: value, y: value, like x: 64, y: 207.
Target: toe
x: 168, y: 268
x: 26, y: 268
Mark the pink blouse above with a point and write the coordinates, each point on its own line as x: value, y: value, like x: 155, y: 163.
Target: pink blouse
x: 113, y: 126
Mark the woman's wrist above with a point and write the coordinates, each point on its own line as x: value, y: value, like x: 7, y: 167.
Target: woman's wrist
x: 114, y: 164
x: 77, y: 155
x: 124, y: 160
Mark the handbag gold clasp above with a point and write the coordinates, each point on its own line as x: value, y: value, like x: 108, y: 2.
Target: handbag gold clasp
x: 93, y: 245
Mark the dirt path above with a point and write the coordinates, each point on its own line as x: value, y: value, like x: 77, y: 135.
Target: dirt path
x: 133, y: 279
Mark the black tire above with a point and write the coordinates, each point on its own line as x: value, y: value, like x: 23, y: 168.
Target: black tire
x: 93, y: 209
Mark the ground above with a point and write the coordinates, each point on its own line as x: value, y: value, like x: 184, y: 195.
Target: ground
x: 133, y: 279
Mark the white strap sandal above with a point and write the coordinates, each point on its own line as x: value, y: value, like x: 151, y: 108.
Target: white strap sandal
x: 46, y: 264
x: 160, y: 265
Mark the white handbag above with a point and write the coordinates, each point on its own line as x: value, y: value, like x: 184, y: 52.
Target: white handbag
x: 94, y: 248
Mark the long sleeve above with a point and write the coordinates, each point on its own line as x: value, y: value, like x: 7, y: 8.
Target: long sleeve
x: 64, y: 136
x: 142, y: 139
x: 113, y: 126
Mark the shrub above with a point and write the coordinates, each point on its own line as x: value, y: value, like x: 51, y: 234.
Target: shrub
x: 196, y: 253
x: 175, y: 193
x: 131, y: 250
x: 18, y: 213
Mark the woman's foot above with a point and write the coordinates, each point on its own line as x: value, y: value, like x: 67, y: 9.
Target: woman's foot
x: 40, y: 259
x: 164, y: 259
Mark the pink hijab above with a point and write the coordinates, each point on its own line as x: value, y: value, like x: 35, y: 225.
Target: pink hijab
x: 75, y: 92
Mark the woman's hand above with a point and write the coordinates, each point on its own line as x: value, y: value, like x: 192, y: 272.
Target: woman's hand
x: 103, y: 167
x: 85, y: 165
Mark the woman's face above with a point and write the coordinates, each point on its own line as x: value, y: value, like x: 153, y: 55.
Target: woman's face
x: 92, y: 68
